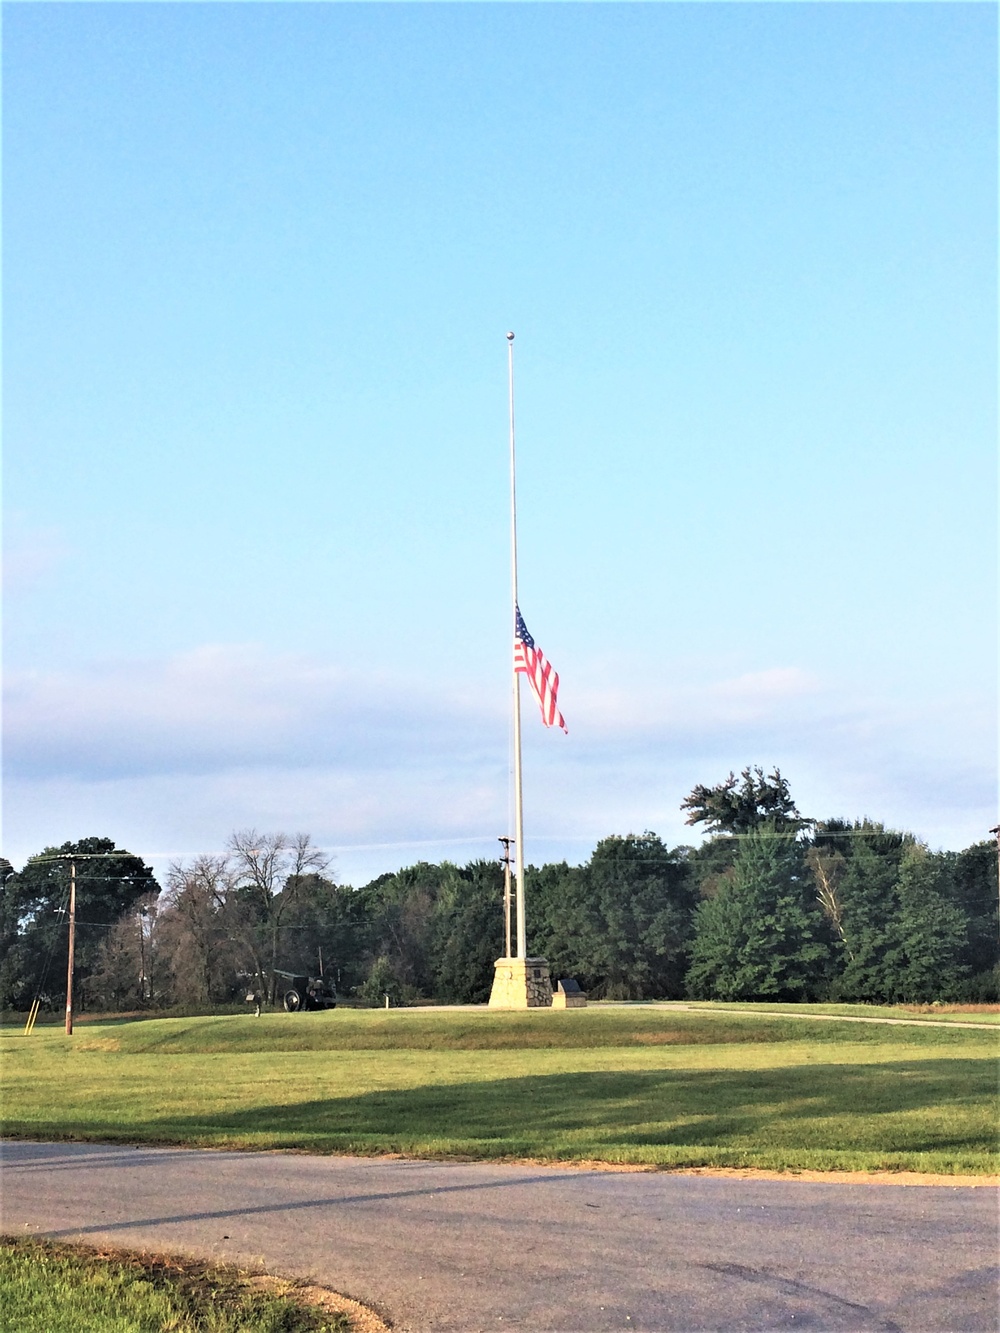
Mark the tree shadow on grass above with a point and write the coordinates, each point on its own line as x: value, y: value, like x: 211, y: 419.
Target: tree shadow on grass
x: 911, y: 1106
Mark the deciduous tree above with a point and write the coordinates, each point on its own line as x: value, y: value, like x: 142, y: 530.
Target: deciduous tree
x: 268, y: 869
x: 200, y: 931
x: 109, y: 881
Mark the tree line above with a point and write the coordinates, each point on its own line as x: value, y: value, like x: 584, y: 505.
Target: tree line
x: 772, y: 905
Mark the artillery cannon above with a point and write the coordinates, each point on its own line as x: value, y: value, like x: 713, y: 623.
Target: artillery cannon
x: 304, y: 992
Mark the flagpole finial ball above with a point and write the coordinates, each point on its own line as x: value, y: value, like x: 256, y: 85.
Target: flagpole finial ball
x: 510, y: 337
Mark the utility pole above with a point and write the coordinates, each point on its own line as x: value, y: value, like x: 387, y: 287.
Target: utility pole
x: 72, y: 948
x: 72, y: 858
x: 505, y: 859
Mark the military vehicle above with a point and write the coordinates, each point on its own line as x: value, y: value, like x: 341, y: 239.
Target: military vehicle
x: 303, y: 992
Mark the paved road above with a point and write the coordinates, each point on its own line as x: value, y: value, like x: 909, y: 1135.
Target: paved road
x: 455, y: 1248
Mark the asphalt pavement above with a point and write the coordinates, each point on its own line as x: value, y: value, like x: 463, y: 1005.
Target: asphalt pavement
x: 459, y: 1248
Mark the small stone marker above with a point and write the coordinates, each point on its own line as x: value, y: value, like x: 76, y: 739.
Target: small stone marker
x: 568, y: 995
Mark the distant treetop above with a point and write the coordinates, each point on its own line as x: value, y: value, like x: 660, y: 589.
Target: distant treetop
x: 742, y: 804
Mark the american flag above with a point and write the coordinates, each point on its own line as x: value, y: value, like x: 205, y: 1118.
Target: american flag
x: 543, y: 680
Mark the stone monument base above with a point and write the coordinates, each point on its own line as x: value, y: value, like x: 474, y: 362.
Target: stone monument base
x: 521, y: 983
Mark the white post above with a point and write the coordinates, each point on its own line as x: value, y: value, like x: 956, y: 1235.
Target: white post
x: 522, y: 945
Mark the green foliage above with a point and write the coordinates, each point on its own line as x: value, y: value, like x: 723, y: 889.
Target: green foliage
x: 402, y: 910
x: 13, y: 984
x: 325, y: 919
x: 761, y: 935
x: 382, y: 981
x: 928, y: 933
x: 973, y: 890
x: 853, y: 911
x: 903, y: 938
x: 434, y: 931
x: 901, y: 923
x: 469, y: 934
x: 620, y: 924
x: 712, y: 863
x: 642, y: 902
x: 740, y: 805
x: 33, y: 918
x: 50, y: 1288
x: 562, y: 926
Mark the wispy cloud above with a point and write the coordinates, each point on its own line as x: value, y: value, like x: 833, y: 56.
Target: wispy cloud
x: 220, y: 708
x: 223, y: 707
x: 170, y: 756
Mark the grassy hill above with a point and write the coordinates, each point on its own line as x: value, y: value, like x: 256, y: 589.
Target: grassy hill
x: 637, y: 1085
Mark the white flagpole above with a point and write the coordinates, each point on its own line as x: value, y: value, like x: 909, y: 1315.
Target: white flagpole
x: 522, y: 944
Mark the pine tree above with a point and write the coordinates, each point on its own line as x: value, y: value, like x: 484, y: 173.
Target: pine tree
x: 866, y: 893
x: 762, y: 935
x: 927, y: 933
x: 904, y: 939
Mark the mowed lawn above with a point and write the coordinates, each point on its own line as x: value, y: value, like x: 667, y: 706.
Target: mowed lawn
x: 651, y: 1087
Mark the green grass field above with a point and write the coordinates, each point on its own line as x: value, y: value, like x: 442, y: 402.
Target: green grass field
x: 47, y: 1288
x: 630, y: 1085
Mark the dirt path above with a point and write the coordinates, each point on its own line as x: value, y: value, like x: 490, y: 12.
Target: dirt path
x: 826, y: 1018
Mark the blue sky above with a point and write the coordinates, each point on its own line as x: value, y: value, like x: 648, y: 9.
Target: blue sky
x: 259, y: 262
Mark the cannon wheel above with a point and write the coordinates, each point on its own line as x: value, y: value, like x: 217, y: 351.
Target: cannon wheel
x: 293, y: 1001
